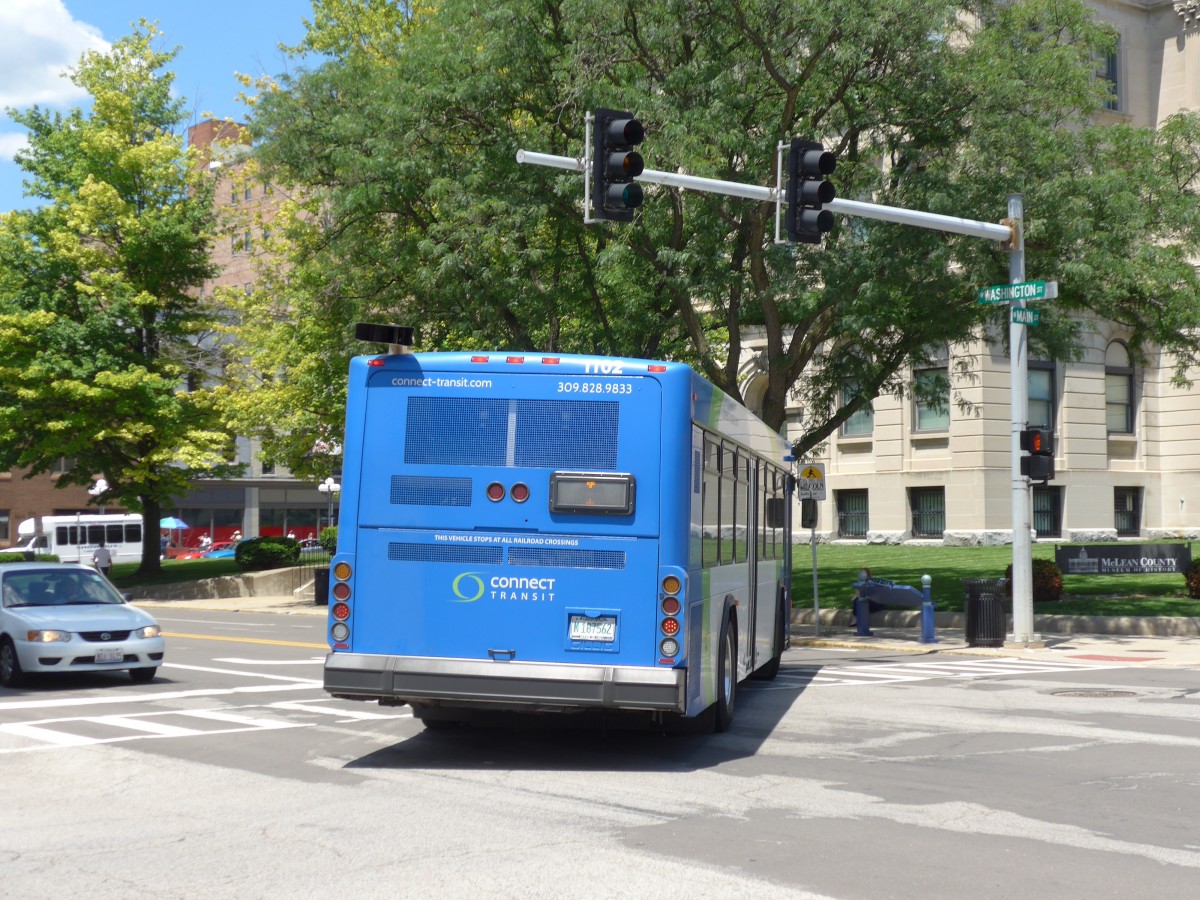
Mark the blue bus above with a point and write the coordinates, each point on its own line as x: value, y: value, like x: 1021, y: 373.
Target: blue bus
x: 527, y: 531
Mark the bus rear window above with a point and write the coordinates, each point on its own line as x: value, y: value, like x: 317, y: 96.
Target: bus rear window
x: 607, y: 494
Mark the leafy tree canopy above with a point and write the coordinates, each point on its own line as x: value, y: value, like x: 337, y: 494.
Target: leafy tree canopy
x: 416, y: 211
x: 101, y: 331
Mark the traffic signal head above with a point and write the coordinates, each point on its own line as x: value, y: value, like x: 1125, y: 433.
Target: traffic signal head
x: 1039, y: 443
x: 615, y: 164
x: 807, y: 191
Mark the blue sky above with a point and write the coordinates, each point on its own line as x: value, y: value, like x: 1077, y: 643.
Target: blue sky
x: 40, y: 38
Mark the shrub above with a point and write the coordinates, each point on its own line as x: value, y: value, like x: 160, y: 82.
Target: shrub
x: 1047, y: 580
x: 20, y: 556
x: 267, y: 552
x: 1192, y: 577
x: 328, y: 539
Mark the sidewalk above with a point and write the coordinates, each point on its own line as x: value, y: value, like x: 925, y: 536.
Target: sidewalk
x: 1138, y: 641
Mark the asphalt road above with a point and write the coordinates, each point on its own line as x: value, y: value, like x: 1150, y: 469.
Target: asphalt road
x: 856, y: 774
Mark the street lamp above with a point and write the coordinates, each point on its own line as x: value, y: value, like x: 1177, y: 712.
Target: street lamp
x: 329, y: 487
x: 99, y: 489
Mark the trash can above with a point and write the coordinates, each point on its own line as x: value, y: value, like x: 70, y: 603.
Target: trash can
x: 321, y: 586
x: 984, y: 602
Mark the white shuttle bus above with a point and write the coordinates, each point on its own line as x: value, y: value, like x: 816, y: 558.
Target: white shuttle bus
x: 73, y: 538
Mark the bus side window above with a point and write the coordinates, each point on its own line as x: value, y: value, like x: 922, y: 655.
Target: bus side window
x: 710, y: 506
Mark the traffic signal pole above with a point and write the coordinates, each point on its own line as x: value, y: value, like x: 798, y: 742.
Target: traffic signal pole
x: 1009, y: 234
x: 1018, y: 354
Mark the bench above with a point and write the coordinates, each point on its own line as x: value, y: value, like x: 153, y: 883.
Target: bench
x: 882, y: 592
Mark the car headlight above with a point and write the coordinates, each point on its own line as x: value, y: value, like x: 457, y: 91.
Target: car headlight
x: 46, y: 636
x: 147, y: 631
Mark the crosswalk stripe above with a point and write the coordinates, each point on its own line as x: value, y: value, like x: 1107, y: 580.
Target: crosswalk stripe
x: 140, y: 723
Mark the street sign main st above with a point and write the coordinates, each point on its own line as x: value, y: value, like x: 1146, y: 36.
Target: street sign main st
x: 1025, y: 316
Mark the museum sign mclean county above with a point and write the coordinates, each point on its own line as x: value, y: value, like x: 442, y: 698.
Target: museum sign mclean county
x: 1124, y: 559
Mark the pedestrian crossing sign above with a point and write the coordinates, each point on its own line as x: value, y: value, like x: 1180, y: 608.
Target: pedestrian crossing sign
x: 811, y: 484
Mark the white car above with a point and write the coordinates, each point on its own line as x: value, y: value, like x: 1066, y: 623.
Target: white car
x: 65, y: 617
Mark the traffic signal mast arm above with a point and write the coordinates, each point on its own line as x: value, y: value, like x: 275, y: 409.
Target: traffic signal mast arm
x: 934, y: 221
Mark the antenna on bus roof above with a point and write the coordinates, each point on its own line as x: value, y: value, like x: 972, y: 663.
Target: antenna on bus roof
x: 399, y: 338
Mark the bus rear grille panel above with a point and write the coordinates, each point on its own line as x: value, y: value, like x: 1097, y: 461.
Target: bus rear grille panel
x: 445, y: 553
x: 423, y: 491
x: 566, y: 559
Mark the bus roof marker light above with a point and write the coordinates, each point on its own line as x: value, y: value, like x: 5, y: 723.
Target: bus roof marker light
x: 479, y: 359
x: 656, y: 368
x: 550, y: 360
x: 514, y: 359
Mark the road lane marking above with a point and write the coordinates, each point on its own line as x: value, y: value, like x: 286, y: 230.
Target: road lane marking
x: 340, y: 713
x: 165, y: 695
x: 269, y: 662
x: 312, y: 681
x: 244, y: 640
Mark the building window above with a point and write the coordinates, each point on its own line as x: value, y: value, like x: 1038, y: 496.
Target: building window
x: 1118, y: 389
x: 248, y: 193
x: 62, y: 465
x: 1108, y: 71
x: 1041, y: 394
x: 853, y: 513
x: 233, y: 244
x: 246, y: 241
x: 931, y: 387
x: 233, y: 195
x: 928, y: 511
x: 862, y: 421
x: 5, y: 519
x: 1047, y: 511
x: 1127, y: 515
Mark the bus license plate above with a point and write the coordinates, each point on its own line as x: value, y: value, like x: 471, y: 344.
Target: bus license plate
x: 107, y: 654
x: 593, y: 628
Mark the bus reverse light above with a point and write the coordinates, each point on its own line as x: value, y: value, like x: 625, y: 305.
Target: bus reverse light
x: 340, y: 632
x: 669, y: 647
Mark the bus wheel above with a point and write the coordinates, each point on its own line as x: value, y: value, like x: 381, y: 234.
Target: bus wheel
x: 771, y: 668
x: 726, y: 676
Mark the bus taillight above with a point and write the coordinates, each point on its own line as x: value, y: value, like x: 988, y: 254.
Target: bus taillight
x: 670, y: 625
x: 519, y: 492
x: 495, y: 492
x: 671, y: 605
x: 341, y: 591
x: 341, y: 611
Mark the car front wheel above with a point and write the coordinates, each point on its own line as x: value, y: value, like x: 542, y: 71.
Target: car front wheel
x: 10, y: 667
x: 143, y: 675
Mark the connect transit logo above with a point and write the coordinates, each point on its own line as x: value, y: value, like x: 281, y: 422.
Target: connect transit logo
x: 467, y: 587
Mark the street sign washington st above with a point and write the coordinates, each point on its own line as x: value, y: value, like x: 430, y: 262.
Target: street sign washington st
x: 1025, y: 290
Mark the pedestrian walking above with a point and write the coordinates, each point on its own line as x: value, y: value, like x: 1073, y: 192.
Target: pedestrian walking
x: 102, y: 559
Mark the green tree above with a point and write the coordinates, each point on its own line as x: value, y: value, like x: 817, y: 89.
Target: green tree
x: 421, y: 215
x: 103, y: 342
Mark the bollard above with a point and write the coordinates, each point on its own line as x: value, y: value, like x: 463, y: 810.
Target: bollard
x: 927, y: 612
x: 862, y: 615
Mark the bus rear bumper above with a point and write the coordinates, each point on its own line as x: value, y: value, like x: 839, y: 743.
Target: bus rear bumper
x: 508, y: 684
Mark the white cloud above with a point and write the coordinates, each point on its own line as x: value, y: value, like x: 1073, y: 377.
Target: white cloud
x: 10, y: 144
x: 38, y: 41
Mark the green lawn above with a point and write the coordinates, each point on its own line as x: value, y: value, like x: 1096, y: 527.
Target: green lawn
x: 1115, y: 595
x: 1110, y: 595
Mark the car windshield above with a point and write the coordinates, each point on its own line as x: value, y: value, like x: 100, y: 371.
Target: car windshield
x: 55, y: 587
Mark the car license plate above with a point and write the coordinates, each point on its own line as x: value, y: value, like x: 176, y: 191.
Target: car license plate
x: 593, y: 628
x: 110, y: 654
